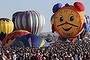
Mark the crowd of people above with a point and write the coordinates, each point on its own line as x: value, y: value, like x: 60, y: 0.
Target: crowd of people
x: 78, y: 50
x: 60, y: 50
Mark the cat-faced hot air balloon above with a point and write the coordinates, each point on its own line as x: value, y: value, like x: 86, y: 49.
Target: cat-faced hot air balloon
x: 31, y: 21
x: 69, y: 20
x: 6, y: 27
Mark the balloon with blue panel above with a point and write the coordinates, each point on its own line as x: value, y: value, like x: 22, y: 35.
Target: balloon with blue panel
x: 86, y: 27
x: 30, y: 40
x: 10, y: 38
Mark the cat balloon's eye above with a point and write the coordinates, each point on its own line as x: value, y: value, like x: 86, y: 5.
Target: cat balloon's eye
x: 61, y: 18
x: 71, y: 17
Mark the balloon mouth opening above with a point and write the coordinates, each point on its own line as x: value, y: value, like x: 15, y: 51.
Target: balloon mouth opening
x: 67, y: 29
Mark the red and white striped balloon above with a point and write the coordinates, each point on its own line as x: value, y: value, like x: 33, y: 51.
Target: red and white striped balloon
x: 31, y: 21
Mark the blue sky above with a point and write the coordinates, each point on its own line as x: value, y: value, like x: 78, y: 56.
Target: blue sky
x: 8, y: 7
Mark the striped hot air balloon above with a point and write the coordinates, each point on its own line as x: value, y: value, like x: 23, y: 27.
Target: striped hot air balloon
x: 14, y: 16
x: 31, y: 21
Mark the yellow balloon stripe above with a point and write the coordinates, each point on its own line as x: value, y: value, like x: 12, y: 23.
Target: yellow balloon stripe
x: 9, y: 43
x: 21, y: 31
x: 11, y: 27
x: 42, y: 43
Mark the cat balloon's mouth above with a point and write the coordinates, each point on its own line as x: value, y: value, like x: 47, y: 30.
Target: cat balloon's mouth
x: 67, y: 29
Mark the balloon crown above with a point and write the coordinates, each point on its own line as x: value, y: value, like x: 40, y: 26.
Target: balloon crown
x: 5, y: 19
x: 78, y: 5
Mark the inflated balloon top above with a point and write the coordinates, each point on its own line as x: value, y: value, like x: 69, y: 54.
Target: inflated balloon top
x: 31, y: 21
x: 6, y: 27
x: 9, y: 39
x: 68, y: 21
x: 78, y: 5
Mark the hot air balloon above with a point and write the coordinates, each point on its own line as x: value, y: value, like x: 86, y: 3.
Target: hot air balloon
x: 6, y: 27
x: 9, y: 39
x: 30, y: 40
x: 31, y: 21
x: 68, y: 20
x: 14, y: 16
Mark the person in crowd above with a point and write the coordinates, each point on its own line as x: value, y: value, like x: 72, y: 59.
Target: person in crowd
x: 8, y: 54
x: 45, y: 56
x: 1, y: 55
x: 4, y: 57
x: 55, y: 57
x: 34, y: 57
x: 40, y: 56
x: 14, y: 56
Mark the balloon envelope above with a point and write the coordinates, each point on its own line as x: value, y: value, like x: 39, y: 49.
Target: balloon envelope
x: 31, y: 21
x: 6, y: 27
x: 9, y: 39
x: 66, y: 23
x: 30, y: 40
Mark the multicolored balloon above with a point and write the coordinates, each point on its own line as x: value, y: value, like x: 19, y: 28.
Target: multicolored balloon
x: 6, y: 27
x: 31, y: 21
x: 29, y: 40
x: 69, y: 20
x: 9, y: 39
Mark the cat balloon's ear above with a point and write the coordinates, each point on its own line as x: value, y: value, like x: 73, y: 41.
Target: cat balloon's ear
x: 66, y: 4
x: 56, y: 7
x: 79, y: 6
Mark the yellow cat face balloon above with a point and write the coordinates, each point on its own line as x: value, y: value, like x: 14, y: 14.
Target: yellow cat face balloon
x: 68, y: 20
